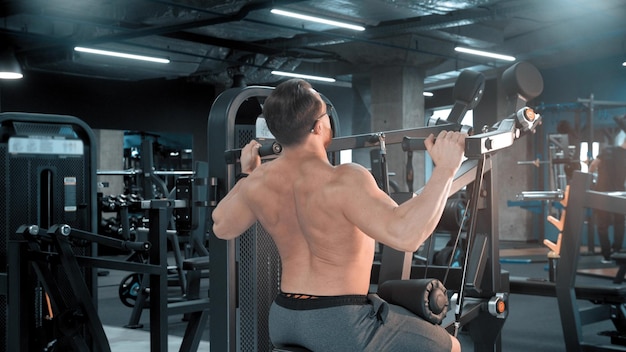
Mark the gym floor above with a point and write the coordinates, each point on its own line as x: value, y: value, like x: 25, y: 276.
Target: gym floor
x: 115, y: 316
x: 533, y: 322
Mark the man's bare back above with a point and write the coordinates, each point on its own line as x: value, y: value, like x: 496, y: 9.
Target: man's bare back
x: 321, y: 251
x: 311, y: 209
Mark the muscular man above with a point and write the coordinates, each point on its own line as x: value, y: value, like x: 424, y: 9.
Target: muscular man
x: 611, y: 167
x: 325, y: 221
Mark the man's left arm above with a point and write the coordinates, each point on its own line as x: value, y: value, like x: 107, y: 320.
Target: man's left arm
x: 233, y: 215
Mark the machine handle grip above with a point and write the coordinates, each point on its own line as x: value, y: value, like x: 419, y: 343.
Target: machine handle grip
x: 233, y: 155
x: 136, y: 246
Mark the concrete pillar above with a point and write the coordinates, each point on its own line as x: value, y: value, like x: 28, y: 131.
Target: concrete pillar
x: 397, y: 102
x: 110, y: 152
x: 510, y: 179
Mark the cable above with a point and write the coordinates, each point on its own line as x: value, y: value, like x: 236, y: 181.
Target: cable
x: 456, y: 242
x: 471, y: 231
x: 49, y: 305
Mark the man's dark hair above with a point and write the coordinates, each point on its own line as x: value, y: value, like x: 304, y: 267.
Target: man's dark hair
x: 290, y: 111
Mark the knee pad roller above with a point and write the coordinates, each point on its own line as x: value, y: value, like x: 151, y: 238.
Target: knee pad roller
x: 427, y: 298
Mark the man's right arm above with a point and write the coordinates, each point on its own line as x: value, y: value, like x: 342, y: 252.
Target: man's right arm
x: 407, y: 226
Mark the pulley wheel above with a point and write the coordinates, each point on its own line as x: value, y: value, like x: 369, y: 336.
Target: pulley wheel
x: 129, y: 289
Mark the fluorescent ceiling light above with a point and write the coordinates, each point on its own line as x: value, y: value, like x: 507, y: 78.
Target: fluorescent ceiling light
x: 10, y: 75
x: 624, y: 63
x: 484, y: 53
x: 122, y: 55
x: 318, y: 20
x: 297, y: 75
x: 428, y: 94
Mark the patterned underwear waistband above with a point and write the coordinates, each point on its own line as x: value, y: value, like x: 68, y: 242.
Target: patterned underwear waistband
x: 307, y: 302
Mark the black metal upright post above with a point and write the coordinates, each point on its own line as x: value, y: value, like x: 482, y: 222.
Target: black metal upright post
x: 221, y: 137
x: 160, y: 211
x: 18, y: 291
x: 568, y: 262
x: 147, y: 168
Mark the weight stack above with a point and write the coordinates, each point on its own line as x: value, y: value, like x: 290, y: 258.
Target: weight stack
x: 258, y: 275
x: 259, y: 280
x: 48, y: 168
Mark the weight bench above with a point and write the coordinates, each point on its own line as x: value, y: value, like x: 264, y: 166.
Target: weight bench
x: 609, y: 301
x: 595, y: 294
x: 193, y: 267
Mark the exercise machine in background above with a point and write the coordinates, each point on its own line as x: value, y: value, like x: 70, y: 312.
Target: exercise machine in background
x: 49, y: 174
x: 48, y: 246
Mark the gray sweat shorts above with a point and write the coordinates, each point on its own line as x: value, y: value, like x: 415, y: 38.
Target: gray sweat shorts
x: 352, y: 323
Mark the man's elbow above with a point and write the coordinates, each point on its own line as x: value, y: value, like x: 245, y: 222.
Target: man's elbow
x: 411, y: 247
x: 218, y: 225
x: 219, y: 231
x: 224, y: 231
x: 405, y: 248
x: 408, y: 240
x: 404, y: 245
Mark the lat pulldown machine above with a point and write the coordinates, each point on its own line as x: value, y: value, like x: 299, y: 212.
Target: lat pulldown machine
x: 250, y: 265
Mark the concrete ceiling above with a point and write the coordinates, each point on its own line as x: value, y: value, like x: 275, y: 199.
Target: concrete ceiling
x: 225, y: 43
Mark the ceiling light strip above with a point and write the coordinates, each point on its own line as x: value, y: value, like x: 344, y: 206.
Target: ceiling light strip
x: 317, y: 20
x: 122, y: 55
x: 298, y: 75
x: 11, y: 75
x: 484, y: 53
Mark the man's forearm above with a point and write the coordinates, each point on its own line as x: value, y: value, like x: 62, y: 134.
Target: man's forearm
x: 419, y: 216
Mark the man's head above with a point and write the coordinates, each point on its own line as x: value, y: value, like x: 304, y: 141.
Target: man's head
x: 291, y: 111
